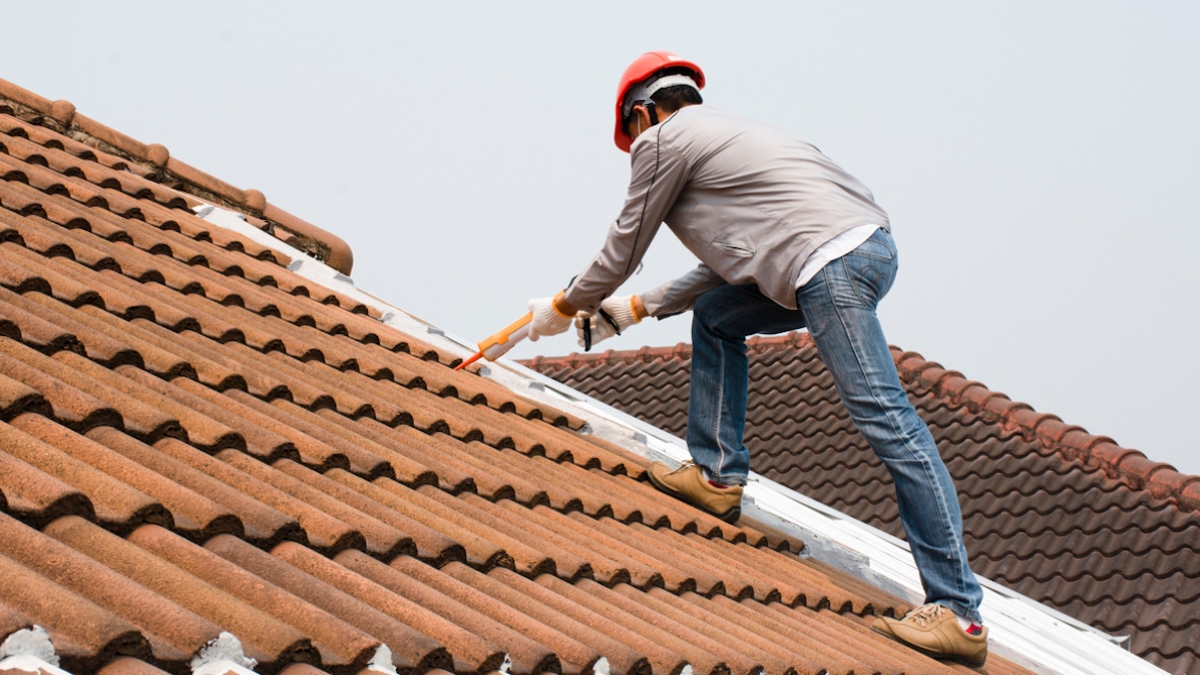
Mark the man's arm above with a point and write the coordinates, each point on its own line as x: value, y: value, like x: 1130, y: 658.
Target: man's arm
x: 679, y: 295
x: 617, y: 314
x: 659, y: 175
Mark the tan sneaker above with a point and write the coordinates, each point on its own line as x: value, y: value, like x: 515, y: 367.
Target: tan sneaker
x: 883, y: 626
x: 933, y: 630
x: 688, y: 483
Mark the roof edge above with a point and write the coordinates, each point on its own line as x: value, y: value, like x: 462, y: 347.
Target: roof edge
x: 1049, y: 431
x: 62, y: 117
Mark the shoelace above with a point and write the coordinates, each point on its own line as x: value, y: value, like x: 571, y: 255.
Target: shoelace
x: 687, y: 464
x: 926, y: 614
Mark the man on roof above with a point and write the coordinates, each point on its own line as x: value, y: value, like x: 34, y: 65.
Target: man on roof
x: 786, y: 240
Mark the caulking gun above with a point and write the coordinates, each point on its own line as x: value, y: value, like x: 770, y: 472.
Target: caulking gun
x: 497, y: 345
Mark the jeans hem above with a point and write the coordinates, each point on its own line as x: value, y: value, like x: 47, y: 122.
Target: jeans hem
x: 960, y: 611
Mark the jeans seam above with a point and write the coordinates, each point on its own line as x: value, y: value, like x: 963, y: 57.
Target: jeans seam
x: 861, y: 254
x: 720, y: 408
x: 853, y: 286
x: 719, y: 473
x: 954, y: 545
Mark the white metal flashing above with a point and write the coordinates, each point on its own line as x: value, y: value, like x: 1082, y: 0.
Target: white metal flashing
x: 33, y: 642
x: 232, y: 220
x: 223, y: 667
x: 381, y: 662
x: 30, y: 664
x: 1020, y: 629
x: 222, y: 654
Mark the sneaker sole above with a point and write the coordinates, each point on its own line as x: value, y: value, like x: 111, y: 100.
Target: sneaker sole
x: 885, y: 633
x: 968, y: 662
x: 731, y: 516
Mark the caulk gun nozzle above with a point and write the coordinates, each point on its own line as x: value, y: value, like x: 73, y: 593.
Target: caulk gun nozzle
x: 469, y: 361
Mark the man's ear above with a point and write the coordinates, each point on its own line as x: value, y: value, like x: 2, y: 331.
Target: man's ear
x: 640, y: 113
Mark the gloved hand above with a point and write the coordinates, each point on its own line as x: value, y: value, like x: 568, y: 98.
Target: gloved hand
x: 593, y: 329
x: 549, y: 317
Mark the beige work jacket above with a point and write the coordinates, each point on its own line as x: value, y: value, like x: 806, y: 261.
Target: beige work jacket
x: 748, y: 199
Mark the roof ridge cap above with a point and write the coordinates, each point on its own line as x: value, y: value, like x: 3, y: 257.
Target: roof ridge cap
x: 62, y: 117
x: 1070, y: 441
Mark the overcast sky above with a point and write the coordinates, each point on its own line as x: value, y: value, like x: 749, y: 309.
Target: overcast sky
x: 1039, y: 160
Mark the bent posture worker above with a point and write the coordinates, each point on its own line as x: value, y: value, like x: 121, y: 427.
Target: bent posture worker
x: 786, y: 240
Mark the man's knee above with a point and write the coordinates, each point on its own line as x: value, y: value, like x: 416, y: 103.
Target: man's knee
x: 714, y: 316
x: 708, y: 309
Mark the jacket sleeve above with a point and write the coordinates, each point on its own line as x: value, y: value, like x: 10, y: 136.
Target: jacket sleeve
x: 680, y: 295
x: 659, y: 174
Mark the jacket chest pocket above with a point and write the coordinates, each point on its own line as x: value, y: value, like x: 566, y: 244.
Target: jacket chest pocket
x: 734, y: 247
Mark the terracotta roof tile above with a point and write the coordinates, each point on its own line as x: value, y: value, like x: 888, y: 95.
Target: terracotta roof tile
x: 425, y: 533
x: 125, y: 665
x: 35, y: 324
x: 494, y: 476
x: 526, y: 542
x: 266, y: 638
x: 339, y: 643
x: 173, y: 632
x: 471, y: 652
x: 158, y: 361
x: 55, y: 273
x: 192, y: 513
x: 176, y: 402
x: 266, y: 437
x: 357, y: 456
x: 437, y: 539
x: 213, y: 368
x: 631, y: 565
x: 36, y: 496
x: 91, y: 630
x: 527, y: 655
x: 117, y: 504
x: 411, y: 465
x: 528, y: 558
x: 410, y: 646
x: 50, y: 240
x: 1071, y: 519
x: 358, y: 529
x: 259, y: 522
x: 568, y: 618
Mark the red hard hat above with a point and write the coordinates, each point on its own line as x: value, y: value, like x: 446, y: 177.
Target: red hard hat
x: 643, y: 67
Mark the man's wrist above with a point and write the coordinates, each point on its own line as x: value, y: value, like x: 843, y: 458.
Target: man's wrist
x: 563, y: 307
x: 639, y: 308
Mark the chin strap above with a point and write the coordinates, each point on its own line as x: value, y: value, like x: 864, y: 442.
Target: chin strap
x: 653, y: 110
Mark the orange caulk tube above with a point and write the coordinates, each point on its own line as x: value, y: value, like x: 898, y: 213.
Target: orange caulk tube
x: 498, y: 345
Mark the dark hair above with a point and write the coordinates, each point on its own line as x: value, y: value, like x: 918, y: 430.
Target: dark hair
x: 674, y: 98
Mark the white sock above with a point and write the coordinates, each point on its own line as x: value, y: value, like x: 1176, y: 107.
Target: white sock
x: 966, y: 623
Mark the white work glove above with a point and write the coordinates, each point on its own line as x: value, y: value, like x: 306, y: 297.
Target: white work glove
x: 620, y: 310
x: 547, y: 319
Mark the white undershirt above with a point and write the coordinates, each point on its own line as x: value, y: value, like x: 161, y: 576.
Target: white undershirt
x: 832, y: 250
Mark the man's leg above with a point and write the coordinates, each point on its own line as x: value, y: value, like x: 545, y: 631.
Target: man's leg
x: 721, y: 320
x: 839, y: 306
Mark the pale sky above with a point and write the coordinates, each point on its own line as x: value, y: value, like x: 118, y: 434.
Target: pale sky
x: 1039, y: 161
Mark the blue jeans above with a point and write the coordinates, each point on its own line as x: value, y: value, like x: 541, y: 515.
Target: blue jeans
x: 838, y: 308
